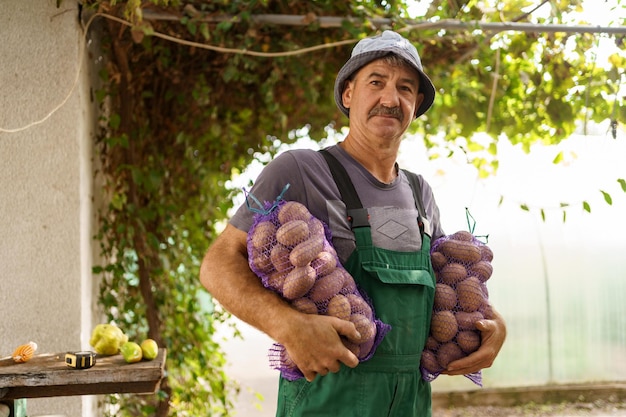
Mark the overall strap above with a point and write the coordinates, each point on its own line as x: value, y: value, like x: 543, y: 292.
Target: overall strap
x: 357, y: 215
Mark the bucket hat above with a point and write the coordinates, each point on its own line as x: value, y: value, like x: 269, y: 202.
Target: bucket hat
x: 370, y: 49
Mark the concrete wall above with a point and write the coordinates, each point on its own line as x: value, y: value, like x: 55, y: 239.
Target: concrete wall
x: 46, y: 211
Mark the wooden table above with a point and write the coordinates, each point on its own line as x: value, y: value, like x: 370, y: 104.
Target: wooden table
x: 47, y: 375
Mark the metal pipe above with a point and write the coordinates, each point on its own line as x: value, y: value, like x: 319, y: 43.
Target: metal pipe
x: 448, y: 24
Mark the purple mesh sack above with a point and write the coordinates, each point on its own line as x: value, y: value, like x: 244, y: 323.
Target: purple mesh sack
x: 290, y: 251
x: 462, y: 265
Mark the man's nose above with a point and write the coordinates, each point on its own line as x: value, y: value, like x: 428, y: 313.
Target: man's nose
x: 389, y: 96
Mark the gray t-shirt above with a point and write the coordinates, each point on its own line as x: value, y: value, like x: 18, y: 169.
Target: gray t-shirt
x: 391, y: 207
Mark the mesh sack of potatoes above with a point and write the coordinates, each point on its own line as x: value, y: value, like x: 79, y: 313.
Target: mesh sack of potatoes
x: 290, y: 251
x: 462, y: 265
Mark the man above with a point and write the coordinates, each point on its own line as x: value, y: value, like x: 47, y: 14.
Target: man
x: 381, y: 88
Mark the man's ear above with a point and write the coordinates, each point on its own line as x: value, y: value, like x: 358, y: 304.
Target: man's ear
x: 346, y: 96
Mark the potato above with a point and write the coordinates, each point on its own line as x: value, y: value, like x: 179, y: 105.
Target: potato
x: 292, y: 210
x: 305, y: 305
x: 359, y: 305
x: 485, y: 253
x: 438, y: 260
x: 276, y: 280
x: 462, y: 235
x: 263, y: 235
x: 447, y: 353
x: 445, y: 297
x: 466, y: 252
x: 292, y: 232
x: 429, y: 362
x: 339, y: 307
x: 482, y: 270
x: 327, y: 286
x: 467, y: 321
x: 324, y: 263
x: 443, y: 326
x: 261, y: 262
x: 349, y: 285
x: 303, y: 253
x: 366, y: 347
x: 470, y: 294
x: 452, y: 273
x: 431, y: 343
x: 280, y: 257
x: 468, y: 340
x: 298, y: 282
x: 316, y: 227
x: 364, y: 326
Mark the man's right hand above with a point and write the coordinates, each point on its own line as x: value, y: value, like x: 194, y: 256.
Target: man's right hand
x: 313, y: 343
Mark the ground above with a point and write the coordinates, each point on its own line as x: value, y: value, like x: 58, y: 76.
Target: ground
x: 600, y: 408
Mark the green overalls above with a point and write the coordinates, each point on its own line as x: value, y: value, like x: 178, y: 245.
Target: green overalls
x: 401, y: 287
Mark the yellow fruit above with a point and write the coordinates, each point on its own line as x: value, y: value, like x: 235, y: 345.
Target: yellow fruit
x: 131, y: 352
x: 106, y: 339
x: 149, y: 349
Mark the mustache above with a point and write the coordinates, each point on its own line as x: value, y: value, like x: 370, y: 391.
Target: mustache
x: 387, y: 111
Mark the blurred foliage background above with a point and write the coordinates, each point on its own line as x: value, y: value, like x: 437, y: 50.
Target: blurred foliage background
x: 191, y: 91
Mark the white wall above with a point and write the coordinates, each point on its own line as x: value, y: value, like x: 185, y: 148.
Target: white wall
x: 45, y: 186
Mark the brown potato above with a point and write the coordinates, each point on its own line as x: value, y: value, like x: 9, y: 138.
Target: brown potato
x: 303, y: 253
x: 339, y: 306
x: 468, y: 340
x: 443, y: 326
x: 452, y: 273
x: 485, y: 253
x: 316, y: 227
x: 298, y: 282
x: 292, y: 210
x: 263, y: 235
x: 276, y: 280
x: 327, y: 286
x: 360, y: 306
x: 438, y: 260
x: 482, y: 270
x: 445, y: 297
x: 470, y: 294
x: 261, y: 262
x: 365, y: 327
x: 447, y: 353
x: 305, y: 305
x: 324, y: 263
x: 466, y: 252
x: 467, y: 321
x: 280, y: 257
x: 429, y: 362
x: 292, y: 232
x: 462, y: 235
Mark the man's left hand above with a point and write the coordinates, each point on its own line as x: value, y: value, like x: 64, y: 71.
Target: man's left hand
x: 493, y: 334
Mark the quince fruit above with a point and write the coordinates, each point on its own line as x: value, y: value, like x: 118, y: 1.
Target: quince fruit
x: 131, y: 352
x: 106, y: 339
x: 150, y: 349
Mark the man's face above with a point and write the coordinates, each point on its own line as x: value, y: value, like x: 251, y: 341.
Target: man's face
x: 382, y: 99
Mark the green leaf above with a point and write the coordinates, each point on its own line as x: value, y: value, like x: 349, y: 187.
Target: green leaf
x: 524, y: 207
x: 586, y: 207
x: 558, y: 158
x: 543, y: 215
x: 607, y: 198
x: 622, y: 182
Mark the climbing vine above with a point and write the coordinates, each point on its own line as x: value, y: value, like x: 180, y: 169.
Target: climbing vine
x: 179, y: 120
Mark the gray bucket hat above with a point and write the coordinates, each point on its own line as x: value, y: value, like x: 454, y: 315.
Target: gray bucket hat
x: 370, y: 49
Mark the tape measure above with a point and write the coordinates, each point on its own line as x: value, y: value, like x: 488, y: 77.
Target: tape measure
x: 80, y: 360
